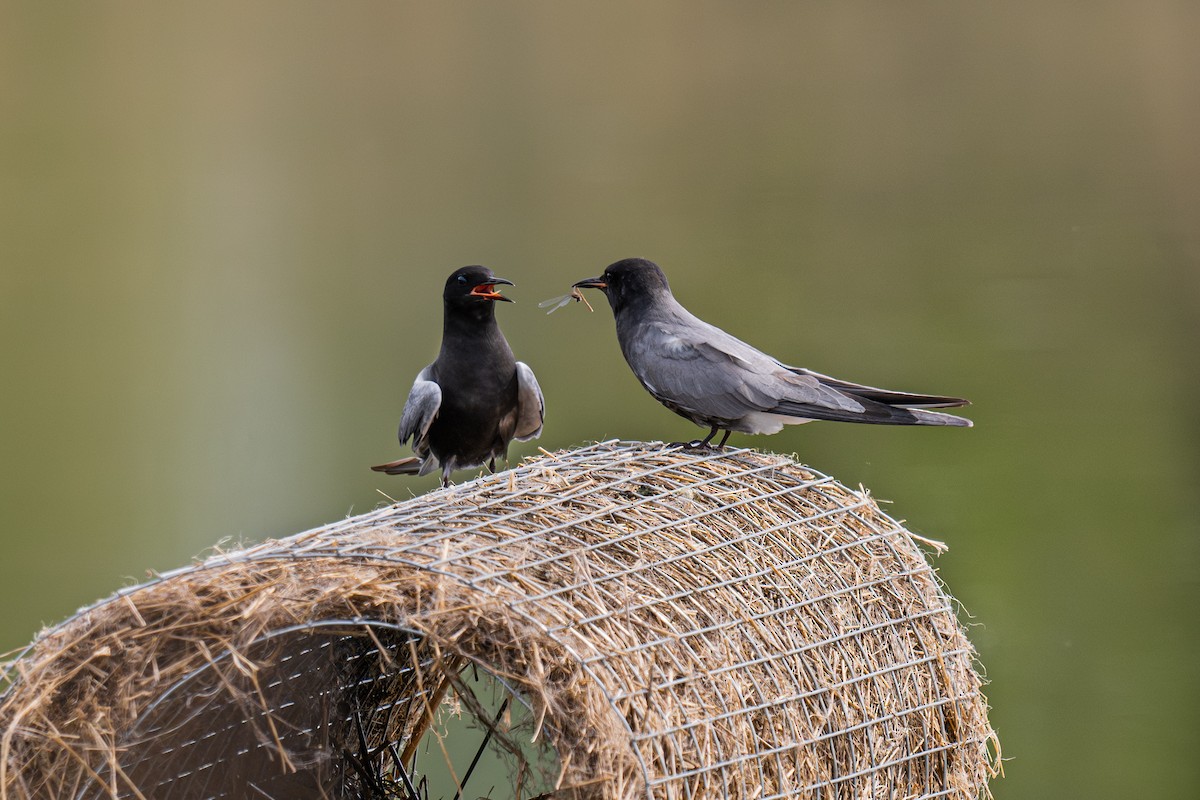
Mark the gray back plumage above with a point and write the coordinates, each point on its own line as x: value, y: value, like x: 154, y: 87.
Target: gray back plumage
x: 715, y: 379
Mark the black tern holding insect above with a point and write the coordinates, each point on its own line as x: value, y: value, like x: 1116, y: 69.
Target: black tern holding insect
x: 718, y: 381
x: 467, y: 406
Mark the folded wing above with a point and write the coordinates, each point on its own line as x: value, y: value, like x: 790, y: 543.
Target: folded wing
x: 420, y: 410
x: 531, y: 406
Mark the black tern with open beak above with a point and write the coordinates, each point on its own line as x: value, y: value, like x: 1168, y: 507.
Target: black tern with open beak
x: 475, y: 398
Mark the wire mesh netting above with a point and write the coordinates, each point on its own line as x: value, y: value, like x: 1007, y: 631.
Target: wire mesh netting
x: 322, y: 713
x: 649, y: 621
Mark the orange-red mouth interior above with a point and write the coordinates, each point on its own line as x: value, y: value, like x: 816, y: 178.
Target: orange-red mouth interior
x: 487, y: 290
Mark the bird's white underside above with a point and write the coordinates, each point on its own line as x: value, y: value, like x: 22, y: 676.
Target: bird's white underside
x: 763, y: 422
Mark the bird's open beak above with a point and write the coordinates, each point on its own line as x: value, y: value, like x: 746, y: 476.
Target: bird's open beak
x: 590, y: 283
x: 488, y: 290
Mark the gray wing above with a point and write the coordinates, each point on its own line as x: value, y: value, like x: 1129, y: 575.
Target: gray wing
x: 887, y: 396
x: 705, y: 372
x: 420, y: 409
x: 531, y: 406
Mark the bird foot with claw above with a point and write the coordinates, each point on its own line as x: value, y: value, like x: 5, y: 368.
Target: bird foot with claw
x: 694, y: 444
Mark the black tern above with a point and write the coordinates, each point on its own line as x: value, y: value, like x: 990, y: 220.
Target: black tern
x: 718, y: 381
x: 475, y: 398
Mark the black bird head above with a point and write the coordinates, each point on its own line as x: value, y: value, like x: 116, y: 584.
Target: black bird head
x: 628, y: 282
x: 473, y: 287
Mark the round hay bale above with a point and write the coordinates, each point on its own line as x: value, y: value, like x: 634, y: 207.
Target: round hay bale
x: 618, y: 621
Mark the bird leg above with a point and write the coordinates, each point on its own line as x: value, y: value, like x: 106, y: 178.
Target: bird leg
x: 698, y: 444
x: 707, y: 439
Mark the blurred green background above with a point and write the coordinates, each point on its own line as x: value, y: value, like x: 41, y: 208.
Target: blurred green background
x: 224, y: 228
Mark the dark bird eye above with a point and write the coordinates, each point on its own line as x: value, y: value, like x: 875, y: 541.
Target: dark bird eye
x: 462, y: 278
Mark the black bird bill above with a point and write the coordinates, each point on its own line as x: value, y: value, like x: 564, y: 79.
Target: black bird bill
x: 590, y: 283
x: 488, y: 290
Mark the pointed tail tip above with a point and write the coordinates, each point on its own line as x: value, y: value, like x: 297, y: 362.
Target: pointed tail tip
x: 404, y: 466
x: 940, y: 418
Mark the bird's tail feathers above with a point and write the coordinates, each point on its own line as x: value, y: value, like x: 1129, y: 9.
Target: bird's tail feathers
x: 404, y: 466
x: 937, y: 418
x: 873, y: 413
